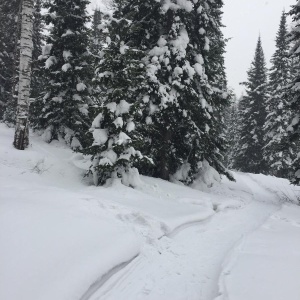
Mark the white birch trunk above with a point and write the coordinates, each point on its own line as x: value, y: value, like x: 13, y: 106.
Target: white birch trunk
x: 21, y: 139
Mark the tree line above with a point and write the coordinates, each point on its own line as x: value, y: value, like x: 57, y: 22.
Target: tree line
x: 144, y: 88
x: 263, y: 124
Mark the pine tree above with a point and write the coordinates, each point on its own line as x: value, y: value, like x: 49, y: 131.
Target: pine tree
x: 9, y: 62
x: 294, y: 92
x: 115, y: 132
x: 232, y: 126
x: 250, y: 156
x: 68, y: 74
x: 37, y: 82
x: 189, y: 90
x: 184, y: 87
x: 278, y: 112
x: 97, y: 33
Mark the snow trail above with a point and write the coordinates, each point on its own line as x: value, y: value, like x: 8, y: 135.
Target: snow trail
x: 159, y: 241
x: 186, y: 264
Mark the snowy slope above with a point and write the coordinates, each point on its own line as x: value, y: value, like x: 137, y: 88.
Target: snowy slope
x: 62, y: 238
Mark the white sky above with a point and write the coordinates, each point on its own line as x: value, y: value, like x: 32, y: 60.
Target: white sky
x: 245, y: 19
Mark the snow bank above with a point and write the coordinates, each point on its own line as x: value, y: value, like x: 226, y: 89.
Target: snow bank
x: 54, y: 239
x: 52, y: 246
x: 62, y: 238
x: 58, y: 235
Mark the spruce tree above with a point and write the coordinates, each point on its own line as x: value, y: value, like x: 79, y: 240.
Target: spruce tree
x: 188, y: 90
x: 115, y: 129
x: 9, y: 62
x: 238, y: 160
x: 184, y: 87
x: 279, y: 160
x: 37, y: 82
x: 97, y: 37
x: 293, y: 88
x: 250, y: 155
x: 68, y: 74
x: 232, y: 132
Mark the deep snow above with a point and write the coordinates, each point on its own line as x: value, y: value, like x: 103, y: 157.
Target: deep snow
x: 62, y: 238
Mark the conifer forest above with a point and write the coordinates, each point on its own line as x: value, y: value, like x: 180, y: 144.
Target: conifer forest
x: 126, y: 154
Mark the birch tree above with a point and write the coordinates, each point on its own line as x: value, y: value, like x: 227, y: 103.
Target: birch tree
x: 21, y: 139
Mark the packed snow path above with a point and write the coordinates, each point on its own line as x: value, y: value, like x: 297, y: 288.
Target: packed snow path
x: 187, y: 263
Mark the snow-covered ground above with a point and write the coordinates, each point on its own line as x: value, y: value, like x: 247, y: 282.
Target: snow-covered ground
x: 62, y: 238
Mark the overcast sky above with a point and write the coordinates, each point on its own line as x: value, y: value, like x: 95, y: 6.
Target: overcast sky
x: 245, y: 20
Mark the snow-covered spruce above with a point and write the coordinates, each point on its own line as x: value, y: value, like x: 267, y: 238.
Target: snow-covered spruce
x: 181, y: 91
x: 279, y: 157
x: 253, y: 116
x: 293, y: 89
x: 187, y: 84
x: 9, y: 58
x: 97, y: 36
x: 68, y: 72
x: 37, y: 76
x: 116, y: 135
x: 232, y: 136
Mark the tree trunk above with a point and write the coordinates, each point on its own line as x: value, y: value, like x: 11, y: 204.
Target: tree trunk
x: 164, y: 151
x: 21, y: 139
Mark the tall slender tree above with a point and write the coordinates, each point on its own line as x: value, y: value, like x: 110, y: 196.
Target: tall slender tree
x: 250, y: 156
x: 117, y: 140
x: 21, y: 139
x: 68, y: 73
x: 278, y: 111
x: 97, y: 37
x: 232, y: 132
x: 9, y: 53
x: 293, y: 88
x: 37, y: 78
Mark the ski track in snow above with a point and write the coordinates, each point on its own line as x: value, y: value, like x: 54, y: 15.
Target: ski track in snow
x: 187, y: 235
x: 190, y: 258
